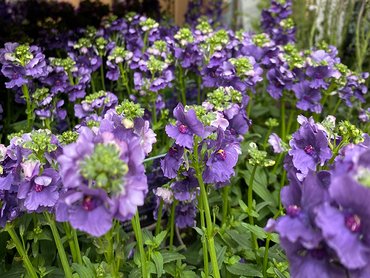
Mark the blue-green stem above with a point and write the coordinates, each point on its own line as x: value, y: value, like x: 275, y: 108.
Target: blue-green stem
x: 29, y: 108
x: 154, y: 157
x: 58, y: 242
x: 209, y: 223
x: 250, y: 207
x: 77, y: 246
x: 158, y: 225
x: 204, y: 240
x: 19, y: 246
x: 199, y: 97
x: 140, y: 243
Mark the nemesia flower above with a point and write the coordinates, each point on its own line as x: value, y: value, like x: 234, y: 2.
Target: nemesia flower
x: 309, y: 147
x: 186, y: 127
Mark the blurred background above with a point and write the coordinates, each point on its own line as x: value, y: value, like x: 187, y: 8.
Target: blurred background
x: 342, y: 23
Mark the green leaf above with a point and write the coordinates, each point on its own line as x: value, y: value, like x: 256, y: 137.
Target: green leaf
x: 169, y: 256
x: 160, y: 237
x: 158, y: 261
x: 244, y: 269
x: 198, y: 230
x: 189, y: 274
x: 221, y: 255
x: 83, y: 271
x: 279, y: 274
x: 258, y: 231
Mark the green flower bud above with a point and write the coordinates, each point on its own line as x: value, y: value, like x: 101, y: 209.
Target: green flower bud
x: 130, y: 110
x: 105, y: 168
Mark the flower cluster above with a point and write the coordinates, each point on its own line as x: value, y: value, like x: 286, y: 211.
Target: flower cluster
x: 103, y: 176
x: 28, y: 179
x: 325, y: 228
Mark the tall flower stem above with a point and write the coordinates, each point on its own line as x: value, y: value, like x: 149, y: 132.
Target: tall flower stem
x: 140, y: 243
x: 209, y: 223
x: 282, y: 117
x: 110, y: 253
x: 29, y: 110
x: 266, y: 257
x: 225, y: 203
x: 172, y: 223
x: 102, y: 73
x: 71, y: 242
x: 204, y: 241
x: 250, y: 206
x: 182, y: 85
x: 18, y: 245
x: 250, y: 102
x: 159, y: 217
x: 58, y: 242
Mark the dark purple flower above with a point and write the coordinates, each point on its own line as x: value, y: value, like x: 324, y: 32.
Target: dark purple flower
x: 185, y: 190
x: 220, y: 164
x: 309, y: 147
x: 185, y: 214
x: 171, y: 163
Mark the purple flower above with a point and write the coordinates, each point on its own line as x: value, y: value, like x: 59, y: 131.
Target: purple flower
x: 86, y: 210
x: 345, y: 221
x: 315, y: 262
x: 187, y: 125
x: 185, y: 214
x: 308, y: 97
x: 220, y: 164
x: 171, y: 163
x: 276, y: 143
x: 309, y: 147
x: 39, y: 190
x: 185, y: 190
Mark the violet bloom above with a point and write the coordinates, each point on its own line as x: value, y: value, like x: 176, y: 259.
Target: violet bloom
x: 187, y: 125
x: 345, y: 221
x: 308, y: 97
x: 309, y: 147
x: 99, y: 103
x: 171, y: 163
x: 86, y: 210
x: 40, y: 189
x: 315, y: 262
x: 107, y: 161
x: 220, y: 164
x: 276, y: 143
x: 185, y: 190
x: 299, y: 201
x: 185, y: 214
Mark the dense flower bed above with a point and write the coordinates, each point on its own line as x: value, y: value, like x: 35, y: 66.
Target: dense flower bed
x: 141, y: 149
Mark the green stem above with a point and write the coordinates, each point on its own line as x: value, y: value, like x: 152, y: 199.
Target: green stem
x: 249, y: 108
x: 18, y: 245
x: 172, y: 223
x: 336, y: 107
x: 250, y: 207
x: 266, y: 257
x: 59, y: 244
x: 154, y: 157
x: 225, y: 204
x: 77, y: 246
x: 29, y: 109
x: 282, y: 116
x: 264, y: 145
x: 209, y: 223
x: 159, y: 217
x: 102, y: 74
x: 204, y: 241
x: 182, y: 85
x: 110, y: 253
x: 140, y: 243
x: 199, y: 97
x: 71, y: 243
